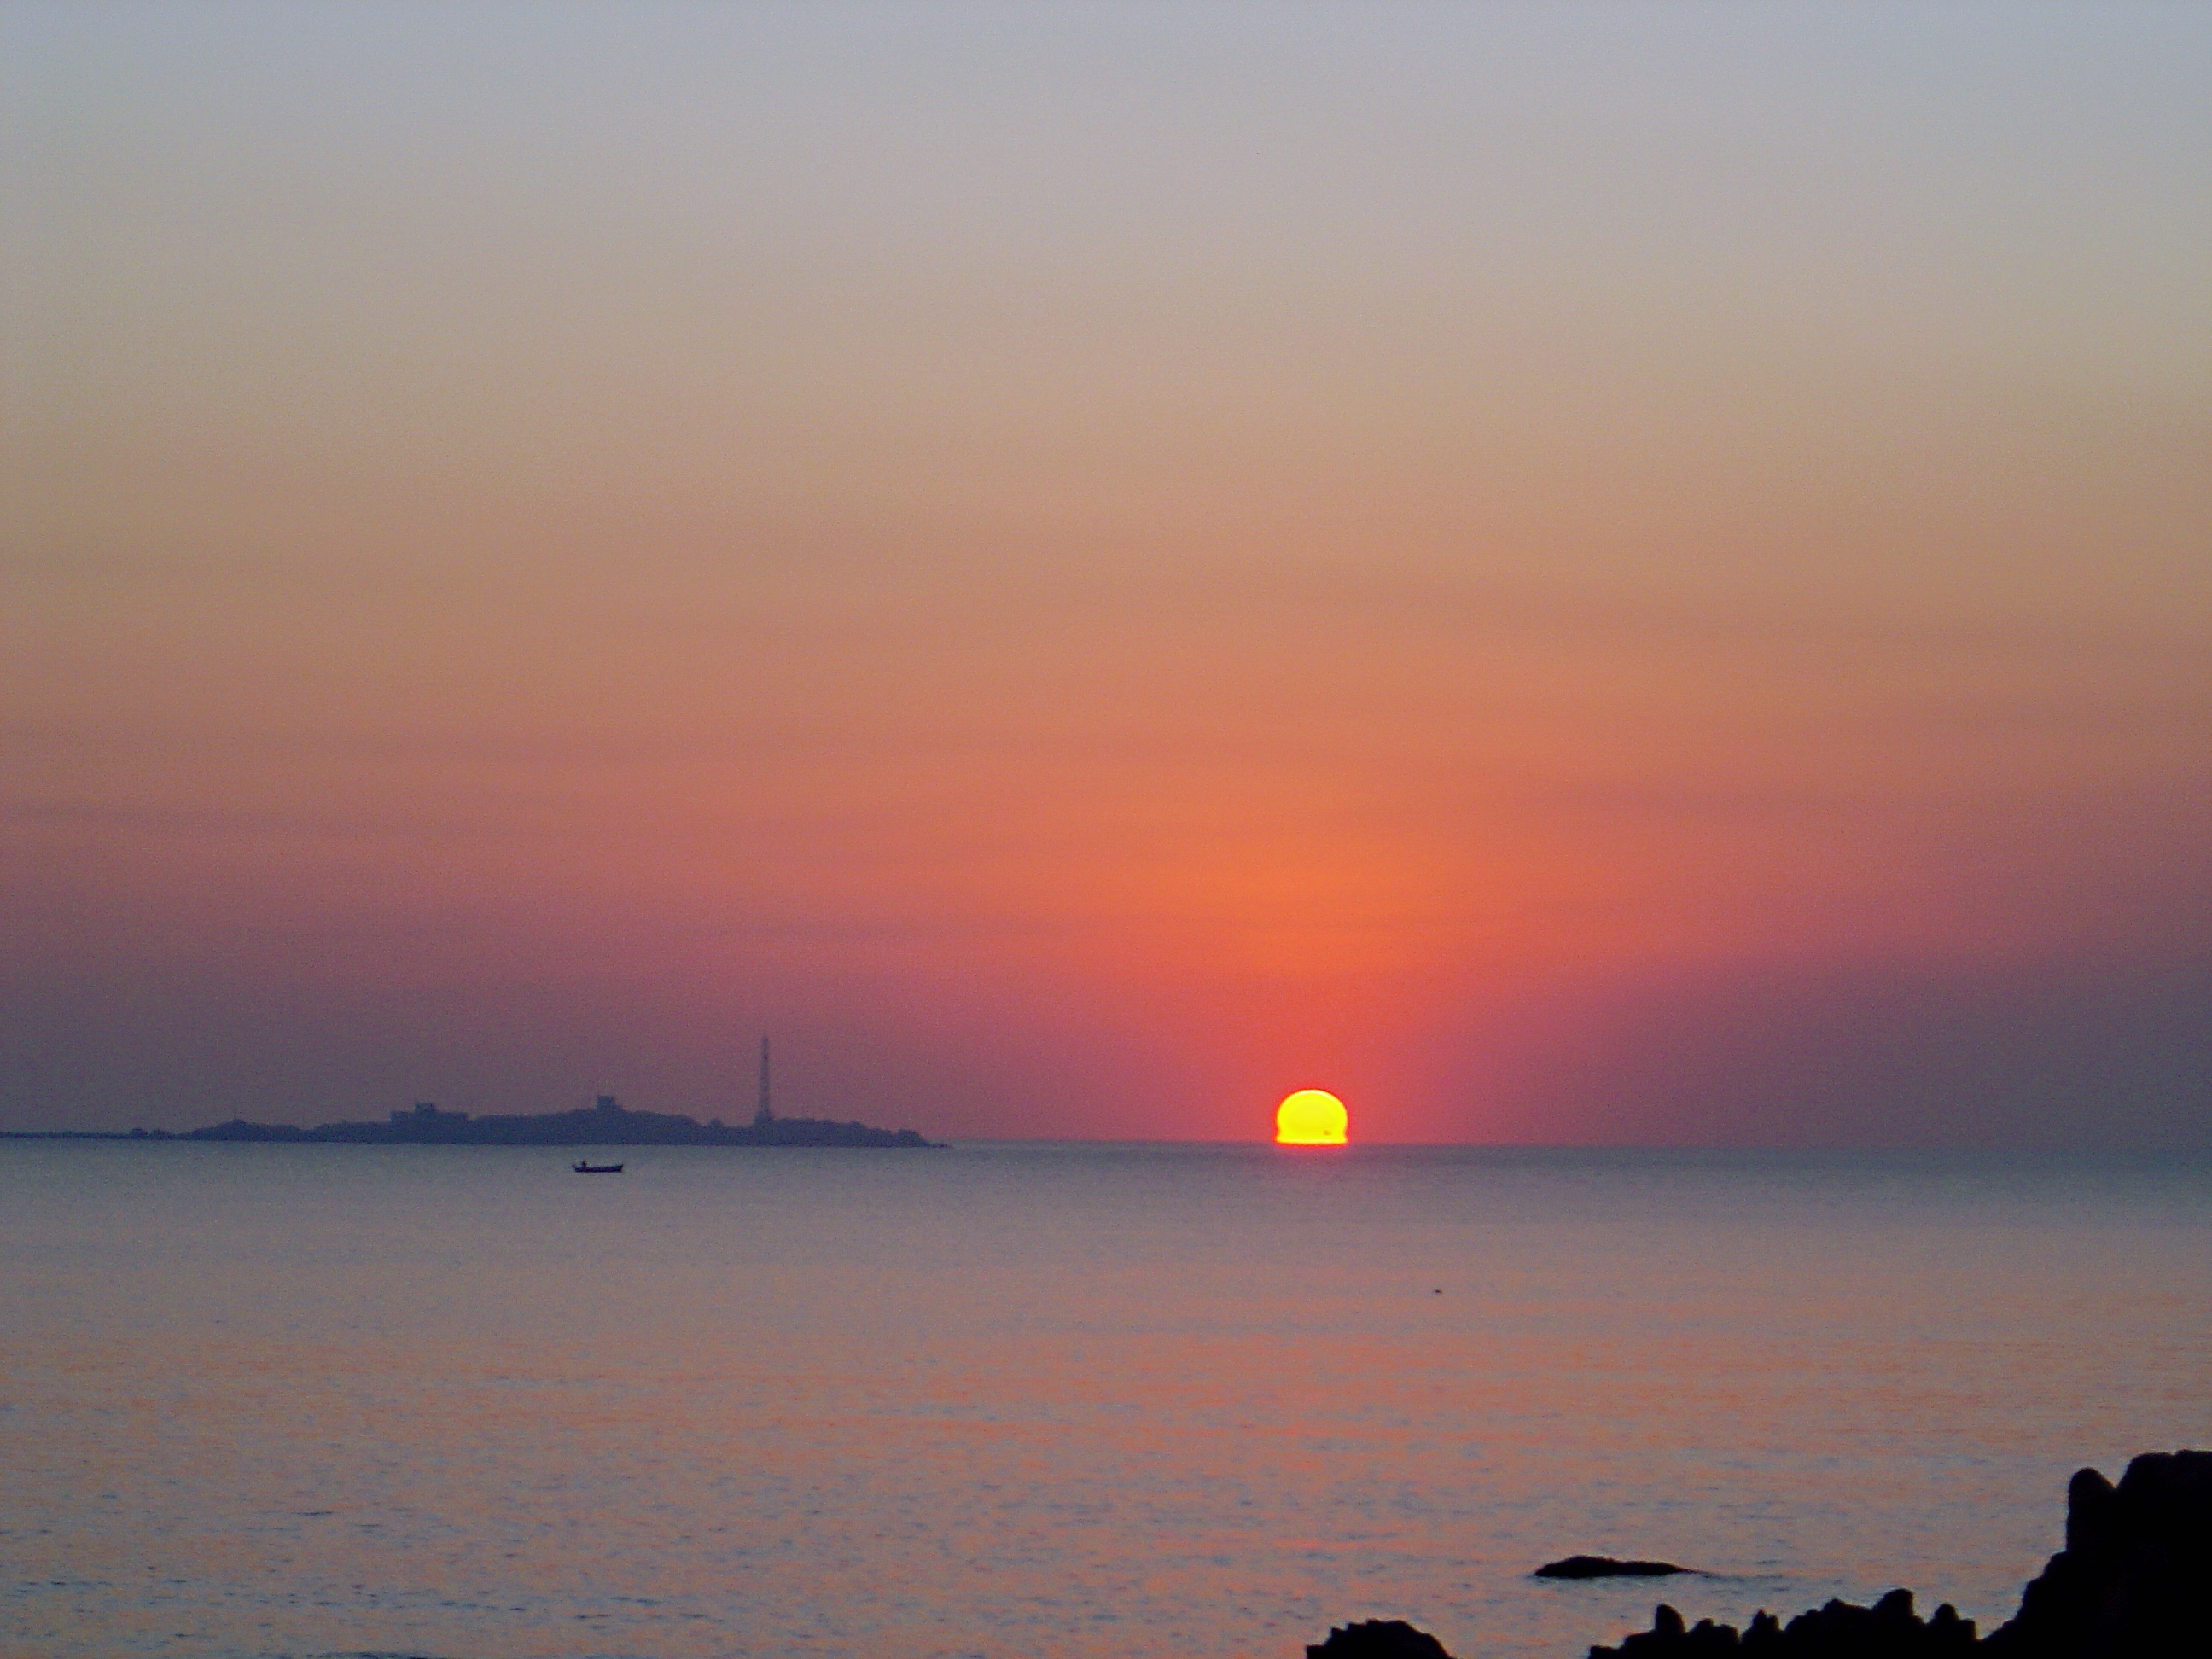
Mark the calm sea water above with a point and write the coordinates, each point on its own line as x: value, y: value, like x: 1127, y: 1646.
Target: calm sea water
x: 1018, y: 1400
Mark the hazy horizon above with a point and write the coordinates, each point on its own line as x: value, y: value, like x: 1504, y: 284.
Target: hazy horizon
x: 1575, y: 574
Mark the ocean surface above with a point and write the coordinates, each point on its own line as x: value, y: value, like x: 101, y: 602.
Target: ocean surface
x: 1021, y: 1399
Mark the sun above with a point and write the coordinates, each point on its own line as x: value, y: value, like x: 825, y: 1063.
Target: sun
x: 1311, y: 1117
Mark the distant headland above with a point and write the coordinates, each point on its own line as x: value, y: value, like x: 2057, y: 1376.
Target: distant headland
x: 606, y: 1123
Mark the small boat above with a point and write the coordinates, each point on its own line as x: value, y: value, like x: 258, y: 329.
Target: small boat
x: 583, y: 1168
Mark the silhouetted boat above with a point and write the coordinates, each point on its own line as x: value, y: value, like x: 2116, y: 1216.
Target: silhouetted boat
x: 582, y: 1168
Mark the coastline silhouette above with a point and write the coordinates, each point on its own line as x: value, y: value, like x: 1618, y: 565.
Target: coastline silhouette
x: 606, y: 1122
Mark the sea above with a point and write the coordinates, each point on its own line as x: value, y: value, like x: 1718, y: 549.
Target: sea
x: 1093, y: 1400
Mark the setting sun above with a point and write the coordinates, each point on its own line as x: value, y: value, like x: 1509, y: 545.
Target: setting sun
x: 1311, y: 1117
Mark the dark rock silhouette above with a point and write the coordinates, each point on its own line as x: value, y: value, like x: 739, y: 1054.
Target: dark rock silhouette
x: 2134, y: 1581
x: 1378, y: 1638
x: 2135, y: 1576
x: 1890, y: 1629
x: 1604, y: 1566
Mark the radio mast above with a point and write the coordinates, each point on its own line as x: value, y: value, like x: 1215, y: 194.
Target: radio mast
x: 761, y: 1116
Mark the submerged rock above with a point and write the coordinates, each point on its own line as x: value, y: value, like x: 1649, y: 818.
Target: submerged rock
x: 1604, y: 1566
x: 1378, y: 1638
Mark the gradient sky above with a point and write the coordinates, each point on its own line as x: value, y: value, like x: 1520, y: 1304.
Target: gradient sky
x: 1572, y: 573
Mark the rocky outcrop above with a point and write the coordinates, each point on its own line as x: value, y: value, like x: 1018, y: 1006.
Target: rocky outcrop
x: 1378, y: 1638
x: 1890, y: 1629
x: 1604, y: 1566
x: 2135, y: 1576
x: 2134, y: 1581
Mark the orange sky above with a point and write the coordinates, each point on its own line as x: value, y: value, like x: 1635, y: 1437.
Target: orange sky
x: 1567, y: 574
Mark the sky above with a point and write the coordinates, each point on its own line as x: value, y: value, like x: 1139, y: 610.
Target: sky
x: 1573, y: 573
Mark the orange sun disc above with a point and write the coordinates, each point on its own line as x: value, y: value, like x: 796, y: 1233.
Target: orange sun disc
x: 1311, y: 1117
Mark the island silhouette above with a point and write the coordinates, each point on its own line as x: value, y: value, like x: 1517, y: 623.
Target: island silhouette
x: 606, y: 1122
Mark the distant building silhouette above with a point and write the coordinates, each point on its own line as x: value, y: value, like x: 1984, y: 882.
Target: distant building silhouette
x: 427, y: 1115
